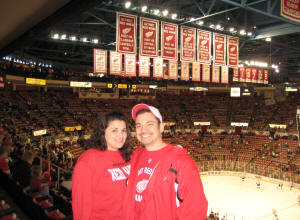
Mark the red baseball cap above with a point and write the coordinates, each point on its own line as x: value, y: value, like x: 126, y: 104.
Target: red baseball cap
x: 141, y: 106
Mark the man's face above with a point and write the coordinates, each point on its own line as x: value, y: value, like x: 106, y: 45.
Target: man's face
x: 148, y: 130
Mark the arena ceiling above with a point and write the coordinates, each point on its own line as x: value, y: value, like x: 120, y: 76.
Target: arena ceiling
x: 29, y: 27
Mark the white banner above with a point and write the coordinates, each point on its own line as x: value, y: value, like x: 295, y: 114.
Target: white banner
x: 115, y: 63
x: 215, y: 77
x: 185, y: 71
x: 130, y: 65
x: 224, y: 74
x: 195, y: 71
x: 144, y: 66
x: 100, y: 61
x: 173, y: 69
x: 158, y: 67
x: 205, y: 73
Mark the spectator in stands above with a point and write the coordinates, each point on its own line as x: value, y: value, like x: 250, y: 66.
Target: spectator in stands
x: 21, y: 169
x: 100, y: 174
x: 37, y: 184
x: 156, y: 169
x: 5, y: 148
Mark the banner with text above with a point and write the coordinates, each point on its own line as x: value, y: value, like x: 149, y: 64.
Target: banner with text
x: 204, y: 47
x: 205, y: 73
x: 144, y: 66
x: 248, y: 75
x: 130, y: 65
x: 126, y: 33
x: 232, y: 51
x: 196, y: 71
x: 188, y: 44
x: 254, y: 75
x: 215, y: 78
x: 100, y: 61
x: 158, y: 67
x: 242, y: 74
x: 219, y: 41
x: 260, y: 76
x: 235, y: 77
x: 115, y: 63
x: 169, y: 41
x: 185, y: 71
x: 173, y: 69
x: 149, y: 37
x: 266, y: 76
x: 224, y: 74
x: 290, y: 9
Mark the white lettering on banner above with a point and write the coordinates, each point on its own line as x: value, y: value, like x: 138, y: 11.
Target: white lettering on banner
x: 116, y: 174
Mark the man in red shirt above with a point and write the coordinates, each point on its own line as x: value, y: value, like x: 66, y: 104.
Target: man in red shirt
x: 164, y: 181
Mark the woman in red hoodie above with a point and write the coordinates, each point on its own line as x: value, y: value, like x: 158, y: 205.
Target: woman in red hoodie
x: 99, y: 176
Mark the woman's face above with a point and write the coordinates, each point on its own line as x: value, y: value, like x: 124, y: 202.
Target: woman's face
x: 115, y: 134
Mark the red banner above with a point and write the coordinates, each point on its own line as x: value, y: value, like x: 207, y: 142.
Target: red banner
x: 215, y: 77
x: 158, y: 67
x: 126, y: 33
x: 149, y: 37
x: 235, y: 77
x: 130, y: 65
x: 100, y: 61
x: 242, y: 74
x: 169, y: 41
x: 290, y: 9
x: 266, y: 76
x: 254, y: 75
x: 224, y: 74
x: 219, y: 49
x: 204, y: 47
x: 188, y: 44
x: 260, y: 76
x: 248, y: 75
x: 185, y: 71
x: 173, y: 69
x: 205, y: 73
x: 115, y: 63
x: 232, y: 51
x: 144, y: 66
x: 195, y: 71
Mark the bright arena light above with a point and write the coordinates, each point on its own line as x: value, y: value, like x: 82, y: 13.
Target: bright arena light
x: 144, y: 8
x: 174, y: 16
x: 165, y: 12
x: 127, y: 4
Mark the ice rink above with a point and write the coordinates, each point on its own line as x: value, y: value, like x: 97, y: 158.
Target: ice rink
x: 239, y: 200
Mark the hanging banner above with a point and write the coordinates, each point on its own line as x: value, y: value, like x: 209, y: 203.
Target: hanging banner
x: 224, y: 74
x: 100, y: 61
x: 205, y: 73
x: 149, y: 37
x: 266, y: 76
x: 188, y: 44
x: 260, y: 77
x: 185, y: 71
x: 130, y: 65
x: 195, y: 71
x: 219, y: 41
x: 242, y: 74
x: 204, y: 47
x: 290, y: 9
x: 232, y: 51
x: 215, y: 77
x: 235, y: 77
x: 126, y: 33
x: 248, y: 75
x: 144, y: 66
x: 169, y: 41
x: 158, y: 67
x: 173, y: 69
x: 254, y: 75
x: 115, y: 63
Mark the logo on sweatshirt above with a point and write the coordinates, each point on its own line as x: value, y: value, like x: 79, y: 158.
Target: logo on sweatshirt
x: 141, y: 186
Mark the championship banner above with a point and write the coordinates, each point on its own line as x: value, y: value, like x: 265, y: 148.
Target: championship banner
x: 115, y: 63
x: 205, y: 73
x: 266, y: 76
x: 260, y: 77
x: 204, y: 47
x: 232, y: 51
x: 100, y: 61
x: 254, y: 75
x: 158, y: 67
x: 185, y: 71
x: 219, y: 41
x: 144, y: 66
x: 173, y: 69
x: 224, y: 74
x: 130, y: 65
x: 169, y: 41
x: 242, y: 74
x: 149, y: 37
x: 215, y: 77
x: 195, y: 71
x: 248, y: 75
x: 235, y: 77
x: 290, y: 9
x: 188, y: 44
x: 126, y: 33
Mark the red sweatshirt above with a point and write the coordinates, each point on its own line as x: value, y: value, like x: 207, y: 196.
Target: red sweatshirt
x: 98, y: 185
x: 164, y: 185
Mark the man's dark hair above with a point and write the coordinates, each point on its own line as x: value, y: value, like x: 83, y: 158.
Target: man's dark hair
x: 144, y: 111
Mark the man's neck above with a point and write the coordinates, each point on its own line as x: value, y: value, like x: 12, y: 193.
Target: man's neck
x: 156, y: 146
